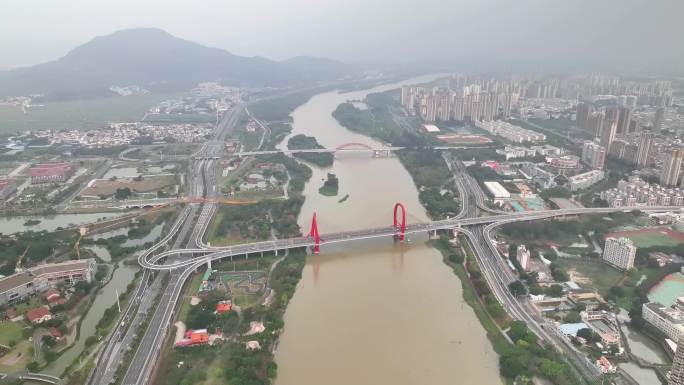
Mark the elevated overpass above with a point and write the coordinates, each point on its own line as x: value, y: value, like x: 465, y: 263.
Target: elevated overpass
x: 38, y: 377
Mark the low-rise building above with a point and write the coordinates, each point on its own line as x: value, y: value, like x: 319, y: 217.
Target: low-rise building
x: 589, y: 298
x: 50, y: 172
x: 497, y: 190
x: 669, y: 320
x: 24, y: 284
x: 511, y: 132
x: 523, y: 256
x: 636, y: 192
x: 564, y: 162
x: 619, y: 252
x: 38, y: 315
x: 585, y: 180
x: 604, y: 324
x: 605, y: 366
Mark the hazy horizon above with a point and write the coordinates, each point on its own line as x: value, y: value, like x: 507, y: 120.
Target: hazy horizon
x: 536, y: 34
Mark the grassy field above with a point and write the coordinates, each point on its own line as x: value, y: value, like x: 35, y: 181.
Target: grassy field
x: 591, y: 273
x: 183, y: 118
x: 190, y: 291
x: 10, y: 331
x: 148, y: 184
x: 17, y: 358
x: 218, y: 240
x: 79, y: 114
x: 653, y: 239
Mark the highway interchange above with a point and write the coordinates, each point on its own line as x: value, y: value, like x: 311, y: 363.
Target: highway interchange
x: 143, y: 327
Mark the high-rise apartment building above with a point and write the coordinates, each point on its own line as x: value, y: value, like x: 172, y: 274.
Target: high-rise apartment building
x: 593, y: 155
x: 597, y: 123
x: 584, y: 112
x: 619, y: 252
x: 624, y: 120
x: 609, y: 127
x: 677, y: 372
x: 644, y: 151
x: 672, y: 168
x: 659, y: 118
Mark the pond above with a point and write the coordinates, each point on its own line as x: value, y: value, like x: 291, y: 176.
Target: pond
x: 123, y: 172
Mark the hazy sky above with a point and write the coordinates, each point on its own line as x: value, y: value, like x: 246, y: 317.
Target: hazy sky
x: 613, y: 32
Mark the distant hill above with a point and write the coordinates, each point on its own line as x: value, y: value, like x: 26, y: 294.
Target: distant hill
x: 156, y: 60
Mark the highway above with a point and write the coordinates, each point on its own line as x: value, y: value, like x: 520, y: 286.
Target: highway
x: 187, y: 231
x: 109, y: 357
x: 189, y: 251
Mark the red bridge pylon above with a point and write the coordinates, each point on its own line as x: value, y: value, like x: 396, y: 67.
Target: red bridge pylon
x: 399, y: 228
x: 314, y: 233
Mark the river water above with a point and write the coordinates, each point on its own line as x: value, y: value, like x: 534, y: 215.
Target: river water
x: 104, y: 298
x: 10, y: 225
x: 374, y: 312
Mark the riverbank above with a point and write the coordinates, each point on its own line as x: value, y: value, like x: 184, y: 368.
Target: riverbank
x: 231, y: 361
x: 430, y: 175
x: 370, y: 293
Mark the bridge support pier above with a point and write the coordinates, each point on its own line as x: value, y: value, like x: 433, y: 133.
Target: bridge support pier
x: 313, y: 233
x: 399, y: 227
x: 276, y: 252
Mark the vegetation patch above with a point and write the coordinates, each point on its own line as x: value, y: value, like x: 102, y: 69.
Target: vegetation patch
x: 303, y: 142
x: 231, y: 362
x: 331, y: 186
x: 526, y: 356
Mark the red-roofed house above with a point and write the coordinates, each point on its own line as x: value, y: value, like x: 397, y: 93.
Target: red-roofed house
x: 55, y: 333
x: 38, y: 315
x: 7, y: 188
x: 52, y: 295
x: 50, y: 172
x: 223, y: 307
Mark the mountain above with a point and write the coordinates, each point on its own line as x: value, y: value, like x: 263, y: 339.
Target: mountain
x: 156, y: 60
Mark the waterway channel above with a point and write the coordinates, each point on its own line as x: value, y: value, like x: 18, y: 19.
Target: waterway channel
x: 10, y: 225
x: 105, y: 298
x: 376, y: 312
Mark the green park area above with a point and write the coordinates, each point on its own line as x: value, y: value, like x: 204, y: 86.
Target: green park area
x: 626, y: 289
x: 79, y: 114
x: 10, y: 333
x: 591, y: 273
x: 652, y: 239
x: 230, y: 362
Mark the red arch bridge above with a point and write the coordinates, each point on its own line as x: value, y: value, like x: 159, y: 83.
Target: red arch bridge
x: 398, y: 230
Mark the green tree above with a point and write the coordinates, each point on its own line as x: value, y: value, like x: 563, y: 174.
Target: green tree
x: 517, y: 288
x: 555, y: 291
x: 572, y: 317
x: 122, y: 193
